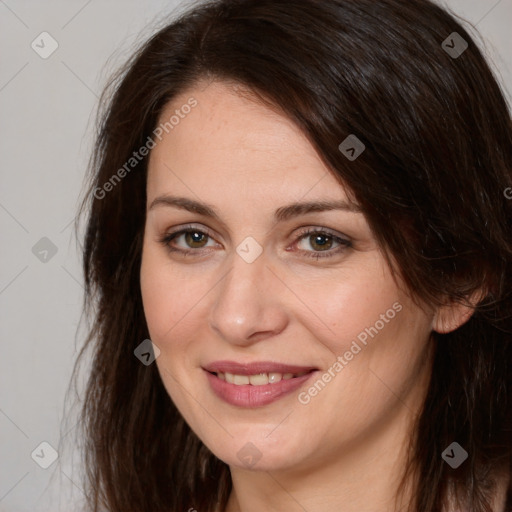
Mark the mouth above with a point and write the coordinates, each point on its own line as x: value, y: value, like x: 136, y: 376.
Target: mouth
x: 255, y: 384
x: 258, y: 379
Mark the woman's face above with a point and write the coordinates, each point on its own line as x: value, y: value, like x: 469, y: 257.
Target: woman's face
x: 284, y: 340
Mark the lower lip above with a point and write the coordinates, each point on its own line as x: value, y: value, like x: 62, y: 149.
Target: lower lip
x: 247, y: 395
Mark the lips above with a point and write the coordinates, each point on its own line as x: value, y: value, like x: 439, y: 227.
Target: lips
x: 255, y: 384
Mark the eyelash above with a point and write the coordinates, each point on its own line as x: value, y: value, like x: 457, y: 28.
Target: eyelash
x: 169, y: 237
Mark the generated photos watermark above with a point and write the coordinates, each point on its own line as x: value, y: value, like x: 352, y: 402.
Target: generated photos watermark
x: 143, y: 151
x: 341, y: 361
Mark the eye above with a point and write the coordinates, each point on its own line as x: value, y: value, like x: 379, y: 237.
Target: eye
x: 321, y: 240
x: 194, y: 239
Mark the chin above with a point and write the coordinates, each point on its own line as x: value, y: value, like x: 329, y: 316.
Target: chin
x: 259, y: 453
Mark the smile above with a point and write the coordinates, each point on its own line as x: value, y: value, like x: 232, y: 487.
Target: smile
x: 259, y: 379
x: 255, y: 384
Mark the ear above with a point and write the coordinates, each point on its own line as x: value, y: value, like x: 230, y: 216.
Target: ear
x: 451, y: 316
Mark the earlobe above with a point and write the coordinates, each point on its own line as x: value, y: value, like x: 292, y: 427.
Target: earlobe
x: 451, y: 316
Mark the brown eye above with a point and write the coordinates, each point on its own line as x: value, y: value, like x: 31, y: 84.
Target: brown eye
x: 194, y: 237
x: 321, y: 241
x: 192, y: 241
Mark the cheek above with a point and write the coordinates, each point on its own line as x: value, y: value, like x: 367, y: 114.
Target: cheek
x: 172, y: 297
x: 376, y: 329
x: 347, y: 305
x: 158, y: 294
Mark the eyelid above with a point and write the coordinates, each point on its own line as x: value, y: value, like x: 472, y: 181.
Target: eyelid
x: 310, y: 230
x: 171, y: 235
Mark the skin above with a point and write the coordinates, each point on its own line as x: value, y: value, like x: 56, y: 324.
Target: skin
x: 344, y: 450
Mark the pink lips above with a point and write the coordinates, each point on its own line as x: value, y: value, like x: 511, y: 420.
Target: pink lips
x: 247, y: 395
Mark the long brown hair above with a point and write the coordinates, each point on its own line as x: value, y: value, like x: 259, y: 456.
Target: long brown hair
x: 431, y: 182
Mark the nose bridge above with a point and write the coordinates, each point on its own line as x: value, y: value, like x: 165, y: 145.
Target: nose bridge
x: 244, y: 304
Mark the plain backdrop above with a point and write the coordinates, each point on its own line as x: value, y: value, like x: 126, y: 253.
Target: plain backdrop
x: 47, y: 109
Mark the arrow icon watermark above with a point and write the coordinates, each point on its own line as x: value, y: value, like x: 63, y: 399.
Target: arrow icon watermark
x: 454, y: 45
x: 146, y: 352
x: 44, y: 455
x: 249, y: 249
x: 351, y: 147
x: 44, y: 250
x: 454, y: 455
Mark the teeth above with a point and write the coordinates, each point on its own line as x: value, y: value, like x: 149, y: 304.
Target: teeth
x: 274, y: 377
x: 239, y: 380
x: 259, y: 379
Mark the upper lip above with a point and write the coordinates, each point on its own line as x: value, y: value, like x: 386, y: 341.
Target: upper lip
x: 255, y: 368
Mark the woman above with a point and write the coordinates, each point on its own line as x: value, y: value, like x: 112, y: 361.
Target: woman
x: 299, y: 247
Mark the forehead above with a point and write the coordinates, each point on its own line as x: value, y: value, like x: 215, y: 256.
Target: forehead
x: 233, y: 142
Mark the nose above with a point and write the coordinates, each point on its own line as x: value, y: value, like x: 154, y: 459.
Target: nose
x: 247, y: 306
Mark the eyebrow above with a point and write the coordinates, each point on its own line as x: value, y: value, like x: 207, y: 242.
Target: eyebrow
x: 281, y: 214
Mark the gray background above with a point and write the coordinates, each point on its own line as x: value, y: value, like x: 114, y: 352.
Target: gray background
x: 47, y: 109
